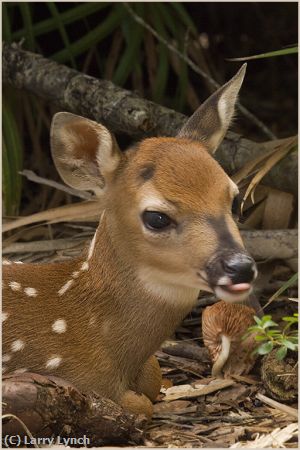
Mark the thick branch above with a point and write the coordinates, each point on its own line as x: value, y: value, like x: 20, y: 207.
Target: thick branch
x: 50, y: 407
x: 123, y: 111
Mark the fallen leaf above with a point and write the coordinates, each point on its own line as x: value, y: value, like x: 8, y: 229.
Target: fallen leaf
x: 188, y: 391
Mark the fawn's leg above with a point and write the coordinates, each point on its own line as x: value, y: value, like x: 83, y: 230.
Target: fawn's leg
x: 149, y: 379
x: 147, y: 388
x: 136, y: 403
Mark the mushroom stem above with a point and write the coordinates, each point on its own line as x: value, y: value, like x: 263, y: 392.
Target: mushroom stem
x: 223, y: 356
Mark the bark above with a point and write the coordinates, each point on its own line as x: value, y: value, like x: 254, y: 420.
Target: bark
x: 50, y: 406
x: 271, y: 244
x: 124, y: 112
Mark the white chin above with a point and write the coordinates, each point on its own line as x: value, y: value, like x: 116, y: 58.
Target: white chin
x: 231, y: 297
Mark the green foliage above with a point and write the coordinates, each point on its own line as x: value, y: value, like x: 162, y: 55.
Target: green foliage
x: 282, y: 52
x: 12, y: 152
x: 97, y: 25
x: 170, y: 20
x: 269, y: 335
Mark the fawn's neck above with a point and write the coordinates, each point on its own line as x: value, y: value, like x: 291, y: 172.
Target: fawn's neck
x: 137, y: 319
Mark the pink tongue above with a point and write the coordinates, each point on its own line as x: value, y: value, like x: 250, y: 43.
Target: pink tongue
x: 238, y: 287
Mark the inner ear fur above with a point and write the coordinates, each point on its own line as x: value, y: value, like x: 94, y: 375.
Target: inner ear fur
x: 84, y: 152
x: 211, y: 120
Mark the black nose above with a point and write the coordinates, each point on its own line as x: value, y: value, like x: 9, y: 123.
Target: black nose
x: 240, y: 268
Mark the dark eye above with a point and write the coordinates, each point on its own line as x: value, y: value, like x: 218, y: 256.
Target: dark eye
x: 235, y: 207
x: 154, y: 220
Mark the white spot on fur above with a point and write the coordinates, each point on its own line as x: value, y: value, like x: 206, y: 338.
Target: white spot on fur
x: 21, y: 370
x: 6, y: 358
x: 65, y: 287
x: 4, y: 369
x: 4, y: 316
x: 17, y: 345
x: 53, y: 362
x: 18, y: 262
x: 85, y: 266
x: 31, y: 292
x: 75, y: 274
x: 5, y: 262
x: 59, y: 326
x: 92, y: 320
x: 14, y: 285
x: 92, y: 246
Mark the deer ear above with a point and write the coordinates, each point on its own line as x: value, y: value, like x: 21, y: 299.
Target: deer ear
x: 211, y: 121
x: 84, y: 152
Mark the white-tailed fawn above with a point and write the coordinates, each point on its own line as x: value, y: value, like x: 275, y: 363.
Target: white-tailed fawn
x: 166, y: 232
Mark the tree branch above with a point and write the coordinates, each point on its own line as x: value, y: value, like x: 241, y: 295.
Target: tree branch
x: 125, y: 112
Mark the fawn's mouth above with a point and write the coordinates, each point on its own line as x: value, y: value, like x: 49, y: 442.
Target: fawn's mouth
x: 232, y: 292
x: 225, y: 289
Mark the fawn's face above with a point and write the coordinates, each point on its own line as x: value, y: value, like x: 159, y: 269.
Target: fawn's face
x: 174, y: 212
x: 168, y: 202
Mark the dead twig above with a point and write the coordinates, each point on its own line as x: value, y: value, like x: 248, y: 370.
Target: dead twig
x: 31, y: 176
x: 284, y: 408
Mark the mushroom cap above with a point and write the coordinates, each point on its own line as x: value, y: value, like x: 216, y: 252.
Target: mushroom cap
x: 231, y: 320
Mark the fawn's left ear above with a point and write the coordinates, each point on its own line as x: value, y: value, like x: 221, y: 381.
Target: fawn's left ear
x: 211, y: 121
x: 85, y: 153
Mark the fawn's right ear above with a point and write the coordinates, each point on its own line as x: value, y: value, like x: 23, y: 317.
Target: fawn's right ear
x: 84, y: 152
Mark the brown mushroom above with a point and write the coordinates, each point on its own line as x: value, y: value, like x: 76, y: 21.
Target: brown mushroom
x: 223, y: 326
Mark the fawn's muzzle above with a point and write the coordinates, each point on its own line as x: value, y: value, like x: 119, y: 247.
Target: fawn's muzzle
x: 230, y: 275
x: 240, y: 269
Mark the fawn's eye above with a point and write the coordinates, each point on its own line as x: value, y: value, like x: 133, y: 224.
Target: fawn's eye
x: 235, y: 207
x: 154, y: 220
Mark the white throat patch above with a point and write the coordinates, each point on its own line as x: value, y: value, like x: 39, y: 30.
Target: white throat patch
x: 162, y: 286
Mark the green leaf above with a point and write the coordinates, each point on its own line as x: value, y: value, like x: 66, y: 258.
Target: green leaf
x: 133, y: 33
x: 257, y: 320
x: 60, y: 26
x: 290, y: 282
x: 260, y: 337
x: 289, y: 344
x: 12, y: 159
x: 70, y: 16
x: 29, y: 33
x: 184, y: 16
x: 265, y: 348
x: 269, y: 323
x: 161, y: 76
x: 93, y: 37
x: 6, y: 23
x: 281, y: 353
x: 273, y: 333
x: 290, y: 319
x: 283, y: 52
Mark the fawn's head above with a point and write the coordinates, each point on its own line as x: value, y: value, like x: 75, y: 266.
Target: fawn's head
x: 168, y: 203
